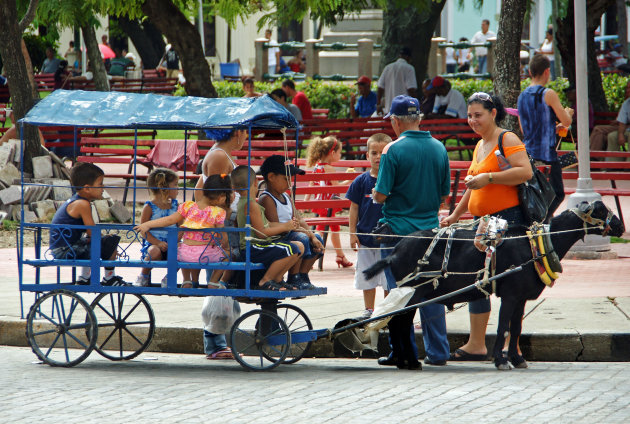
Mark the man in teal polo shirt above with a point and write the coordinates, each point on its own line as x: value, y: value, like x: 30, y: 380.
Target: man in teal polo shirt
x: 413, y: 180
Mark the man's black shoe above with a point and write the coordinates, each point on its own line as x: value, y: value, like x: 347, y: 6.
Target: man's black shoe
x: 389, y: 360
x: 436, y: 363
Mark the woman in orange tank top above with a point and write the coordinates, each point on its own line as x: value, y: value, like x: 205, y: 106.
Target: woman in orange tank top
x: 490, y: 191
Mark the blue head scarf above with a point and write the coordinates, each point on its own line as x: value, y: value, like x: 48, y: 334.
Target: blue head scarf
x: 219, y: 134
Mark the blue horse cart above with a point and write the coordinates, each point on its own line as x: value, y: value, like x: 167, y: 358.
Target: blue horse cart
x: 63, y: 327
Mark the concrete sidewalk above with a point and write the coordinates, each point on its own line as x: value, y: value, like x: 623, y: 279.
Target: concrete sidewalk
x: 584, y: 317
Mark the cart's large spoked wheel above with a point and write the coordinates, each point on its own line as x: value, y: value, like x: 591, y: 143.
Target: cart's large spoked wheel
x: 126, y: 325
x: 260, y: 340
x: 61, y: 328
x: 298, y: 322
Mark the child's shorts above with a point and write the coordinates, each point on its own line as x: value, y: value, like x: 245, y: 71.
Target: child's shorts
x: 303, y: 238
x: 81, y: 249
x: 365, y: 259
x: 267, y: 254
x: 145, y: 249
x: 202, y: 253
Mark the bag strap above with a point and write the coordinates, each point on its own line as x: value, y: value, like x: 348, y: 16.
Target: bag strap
x: 538, y: 95
x: 500, y: 142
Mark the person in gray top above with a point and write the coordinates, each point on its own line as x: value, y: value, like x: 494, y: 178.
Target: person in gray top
x: 281, y: 97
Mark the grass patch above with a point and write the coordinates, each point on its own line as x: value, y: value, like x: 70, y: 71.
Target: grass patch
x: 614, y: 239
x: 9, y: 225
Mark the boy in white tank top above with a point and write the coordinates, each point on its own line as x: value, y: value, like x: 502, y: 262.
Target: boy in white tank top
x: 279, y: 208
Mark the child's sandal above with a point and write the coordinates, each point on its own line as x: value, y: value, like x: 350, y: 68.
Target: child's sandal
x: 271, y: 285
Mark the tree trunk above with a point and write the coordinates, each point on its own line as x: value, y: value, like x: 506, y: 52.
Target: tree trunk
x: 17, y: 75
x: 147, y: 39
x: 185, y: 39
x: 622, y: 25
x: 507, y: 76
x: 95, y: 58
x: 29, y: 69
x: 407, y: 27
x: 565, y: 42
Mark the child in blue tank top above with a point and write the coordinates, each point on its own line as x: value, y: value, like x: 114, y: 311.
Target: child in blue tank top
x: 162, y: 184
x: 68, y: 243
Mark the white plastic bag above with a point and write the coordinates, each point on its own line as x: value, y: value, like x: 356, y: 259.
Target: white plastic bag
x: 219, y: 313
x: 396, y: 299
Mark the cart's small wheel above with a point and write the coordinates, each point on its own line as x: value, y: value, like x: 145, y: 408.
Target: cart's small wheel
x: 126, y: 325
x: 61, y: 328
x: 297, y: 321
x: 260, y: 340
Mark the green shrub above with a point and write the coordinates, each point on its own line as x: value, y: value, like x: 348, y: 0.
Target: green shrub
x: 335, y: 96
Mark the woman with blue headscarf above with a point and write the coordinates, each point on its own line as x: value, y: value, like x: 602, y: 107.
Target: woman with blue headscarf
x: 219, y: 159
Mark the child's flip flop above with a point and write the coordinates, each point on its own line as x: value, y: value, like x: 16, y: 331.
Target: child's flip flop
x: 222, y: 354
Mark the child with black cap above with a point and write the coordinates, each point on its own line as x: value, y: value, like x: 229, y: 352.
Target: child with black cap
x: 279, y: 208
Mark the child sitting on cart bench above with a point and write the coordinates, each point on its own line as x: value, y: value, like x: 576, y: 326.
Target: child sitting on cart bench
x: 207, y: 212
x: 74, y: 243
x: 278, y: 256
x: 279, y: 208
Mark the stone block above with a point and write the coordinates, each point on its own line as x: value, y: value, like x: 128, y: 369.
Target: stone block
x: 44, y: 209
x: 11, y: 195
x: 120, y: 212
x: 29, y: 216
x: 5, y: 154
x: 28, y: 193
x: 95, y: 214
x: 61, y: 190
x: 17, y: 149
x: 8, y: 173
x: 102, y: 208
x: 42, y: 167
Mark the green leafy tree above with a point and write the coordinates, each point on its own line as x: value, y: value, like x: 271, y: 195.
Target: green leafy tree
x: 80, y: 13
x: 565, y: 43
x: 13, y: 52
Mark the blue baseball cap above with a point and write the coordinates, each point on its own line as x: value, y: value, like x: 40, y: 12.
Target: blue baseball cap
x: 403, y: 106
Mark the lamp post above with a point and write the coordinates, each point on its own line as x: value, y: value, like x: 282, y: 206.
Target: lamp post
x: 593, y: 245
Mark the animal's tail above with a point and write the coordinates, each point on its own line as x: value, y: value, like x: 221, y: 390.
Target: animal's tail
x: 372, y: 271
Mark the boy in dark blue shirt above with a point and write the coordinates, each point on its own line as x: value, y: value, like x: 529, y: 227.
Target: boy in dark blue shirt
x: 364, y: 216
x: 365, y: 105
x: 74, y: 243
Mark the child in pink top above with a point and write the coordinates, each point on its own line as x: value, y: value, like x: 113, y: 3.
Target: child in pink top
x: 208, y: 212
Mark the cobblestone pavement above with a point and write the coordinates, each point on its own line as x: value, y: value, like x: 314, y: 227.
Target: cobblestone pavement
x: 169, y: 388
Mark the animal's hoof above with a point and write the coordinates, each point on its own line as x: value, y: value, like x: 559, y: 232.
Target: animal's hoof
x: 503, y: 367
x: 518, y: 362
x: 502, y: 363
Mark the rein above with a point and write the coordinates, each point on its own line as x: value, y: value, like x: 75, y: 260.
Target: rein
x: 587, y: 218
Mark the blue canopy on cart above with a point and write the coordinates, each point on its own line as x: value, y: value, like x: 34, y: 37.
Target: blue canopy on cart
x: 130, y: 110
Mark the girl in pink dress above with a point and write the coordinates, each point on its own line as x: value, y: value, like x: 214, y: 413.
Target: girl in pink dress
x: 208, y: 211
x: 321, y: 153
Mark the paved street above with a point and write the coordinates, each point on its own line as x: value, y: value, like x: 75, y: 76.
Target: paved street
x: 170, y: 388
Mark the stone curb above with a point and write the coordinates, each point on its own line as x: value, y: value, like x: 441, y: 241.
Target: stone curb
x: 559, y: 347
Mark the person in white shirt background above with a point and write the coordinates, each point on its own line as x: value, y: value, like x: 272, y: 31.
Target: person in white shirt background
x: 464, y: 56
x: 482, y: 52
x: 398, y: 78
x: 451, y: 59
x: 547, y: 49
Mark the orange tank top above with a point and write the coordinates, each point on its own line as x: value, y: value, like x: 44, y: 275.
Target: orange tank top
x: 493, y: 197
